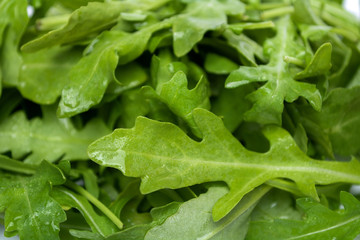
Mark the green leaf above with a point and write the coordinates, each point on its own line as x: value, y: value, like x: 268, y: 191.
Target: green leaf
x: 183, y: 101
x: 315, y: 32
x: 68, y: 199
x: 172, y: 80
x: 278, y: 77
x: 231, y: 104
x: 29, y: 210
x: 87, y: 21
x: 164, y: 157
x: 47, y: 138
x: 339, y: 120
x: 159, y: 215
x: 44, y: 74
x: 319, y: 223
x: 275, y: 205
x: 91, y: 76
x: 193, y: 220
x: 320, y: 63
x: 13, y: 21
x: 245, y: 47
x: 200, y: 17
x: 217, y: 64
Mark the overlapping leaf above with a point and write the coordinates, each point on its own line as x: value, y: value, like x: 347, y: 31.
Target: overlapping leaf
x: 319, y: 223
x: 200, y: 17
x: 338, y: 122
x: 13, y: 21
x: 278, y: 77
x: 193, y: 220
x: 172, y: 87
x: 91, y: 76
x: 87, y: 21
x: 44, y: 74
x: 48, y: 138
x: 29, y: 210
x: 164, y: 157
x: 68, y: 199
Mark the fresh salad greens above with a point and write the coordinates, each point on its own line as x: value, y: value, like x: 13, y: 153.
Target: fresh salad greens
x: 179, y: 119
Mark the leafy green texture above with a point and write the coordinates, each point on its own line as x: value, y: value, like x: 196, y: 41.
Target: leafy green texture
x: 319, y: 223
x: 280, y: 84
x: 68, y: 199
x: 29, y: 210
x: 13, y: 21
x: 193, y: 220
x: 47, y: 138
x: 223, y: 114
x: 339, y: 121
x: 91, y: 76
x: 44, y: 74
x: 174, y: 160
x: 86, y: 21
x: 319, y: 64
x: 170, y: 77
x: 159, y: 215
x: 199, y: 17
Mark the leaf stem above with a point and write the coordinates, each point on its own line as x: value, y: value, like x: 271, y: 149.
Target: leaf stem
x: 266, y: 6
x: 96, y: 202
x: 9, y: 164
x: 294, y: 61
x: 277, y: 12
x: 285, y: 185
x: 239, y: 27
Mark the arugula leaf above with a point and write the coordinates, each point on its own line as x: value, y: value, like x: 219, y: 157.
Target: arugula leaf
x: 68, y: 199
x: 159, y: 215
x: 88, y: 20
x: 172, y: 87
x: 91, y: 76
x: 280, y: 85
x: 173, y: 160
x: 193, y: 220
x: 198, y: 18
x: 44, y: 74
x: 339, y: 120
x: 319, y: 223
x: 29, y: 210
x: 47, y: 138
x: 320, y: 63
x: 13, y: 21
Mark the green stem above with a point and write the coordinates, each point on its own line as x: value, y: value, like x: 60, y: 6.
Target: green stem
x: 285, y: 185
x: 277, y: 12
x: 239, y: 27
x: 9, y: 164
x: 266, y: 6
x: 51, y: 23
x: 295, y: 61
x: 96, y: 202
x: 353, y: 37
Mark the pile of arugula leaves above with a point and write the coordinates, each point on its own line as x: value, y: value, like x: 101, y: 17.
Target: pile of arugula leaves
x: 179, y: 119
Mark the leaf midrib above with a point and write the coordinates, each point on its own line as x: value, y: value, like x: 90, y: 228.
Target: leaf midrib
x: 341, y: 224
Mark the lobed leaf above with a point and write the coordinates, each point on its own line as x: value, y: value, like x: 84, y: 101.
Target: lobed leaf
x: 164, y: 157
x: 319, y: 223
x: 29, y: 210
x: 279, y: 80
x: 48, y: 138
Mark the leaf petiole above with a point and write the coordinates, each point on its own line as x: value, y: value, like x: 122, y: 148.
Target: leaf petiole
x: 9, y: 164
x: 96, y: 202
x: 294, y: 61
x: 277, y: 12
